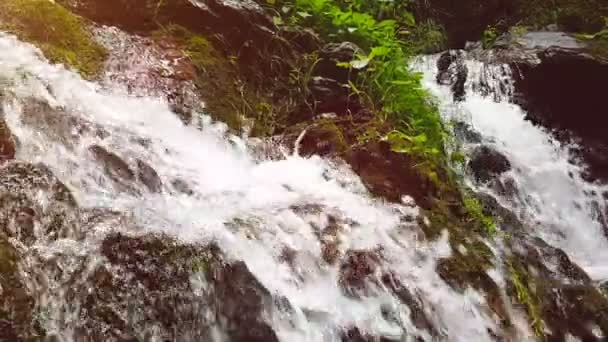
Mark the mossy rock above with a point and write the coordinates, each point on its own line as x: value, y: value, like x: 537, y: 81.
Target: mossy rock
x: 61, y: 35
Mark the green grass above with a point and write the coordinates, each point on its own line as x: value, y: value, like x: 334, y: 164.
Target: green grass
x: 62, y: 36
x: 383, y: 30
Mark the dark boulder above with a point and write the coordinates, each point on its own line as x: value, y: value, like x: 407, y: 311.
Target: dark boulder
x: 241, y: 300
x: 487, y: 164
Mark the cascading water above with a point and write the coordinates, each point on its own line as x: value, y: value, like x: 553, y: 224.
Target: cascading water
x: 551, y: 194
x: 215, y: 190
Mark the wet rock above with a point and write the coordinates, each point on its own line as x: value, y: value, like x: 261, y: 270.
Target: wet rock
x: 560, y: 82
x: 17, y: 314
x: 355, y: 335
x: 21, y: 187
x: 243, y: 27
x: 332, y: 54
x: 453, y: 72
x: 487, y: 164
x: 559, y: 292
x: 417, y: 314
x: 113, y: 165
x: 330, y: 96
x: 7, y: 142
x: 322, y: 138
x: 357, y: 269
x: 149, y: 177
x: 464, y: 132
x: 506, y: 218
x: 303, y: 39
x: 390, y: 175
x: 17, y: 217
x: 58, y: 123
x: 241, y: 300
x: 154, y: 284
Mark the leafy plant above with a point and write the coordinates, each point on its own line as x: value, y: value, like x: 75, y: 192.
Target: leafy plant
x: 382, y: 29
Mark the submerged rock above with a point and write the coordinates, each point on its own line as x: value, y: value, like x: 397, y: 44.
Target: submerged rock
x: 148, y: 176
x: 113, y: 165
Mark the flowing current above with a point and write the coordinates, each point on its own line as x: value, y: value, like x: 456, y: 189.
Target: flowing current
x: 551, y: 195
x: 217, y: 187
x: 226, y: 183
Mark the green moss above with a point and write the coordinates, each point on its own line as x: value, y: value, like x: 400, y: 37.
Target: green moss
x: 523, y: 288
x: 489, y: 37
x: 476, y: 214
x: 61, y: 35
x: 200, y: 264
x: 228, y: 97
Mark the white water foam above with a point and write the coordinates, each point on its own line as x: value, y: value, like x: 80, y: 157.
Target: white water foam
x: 553, y: 198
x: 229, y: 184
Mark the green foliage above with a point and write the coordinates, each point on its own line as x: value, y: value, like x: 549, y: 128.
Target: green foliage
x: 62, y: 36
x: 428, y: 37
x: 475, y: 210
x: 521, y: 283
x: 382, y: 29
x: 489, y: 37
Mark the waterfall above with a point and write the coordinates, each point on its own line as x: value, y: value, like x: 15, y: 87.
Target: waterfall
x: 216, y: 189
x: 551, y: 195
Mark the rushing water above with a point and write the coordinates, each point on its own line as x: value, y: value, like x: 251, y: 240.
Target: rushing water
x: 552, y: 197
x: 218, y: 187
x: 229, y: 183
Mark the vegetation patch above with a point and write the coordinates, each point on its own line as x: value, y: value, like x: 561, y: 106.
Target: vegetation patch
x: 597, y: 42
x: 228, y: 97
x: 62, y: 36
x: 522, y: 285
